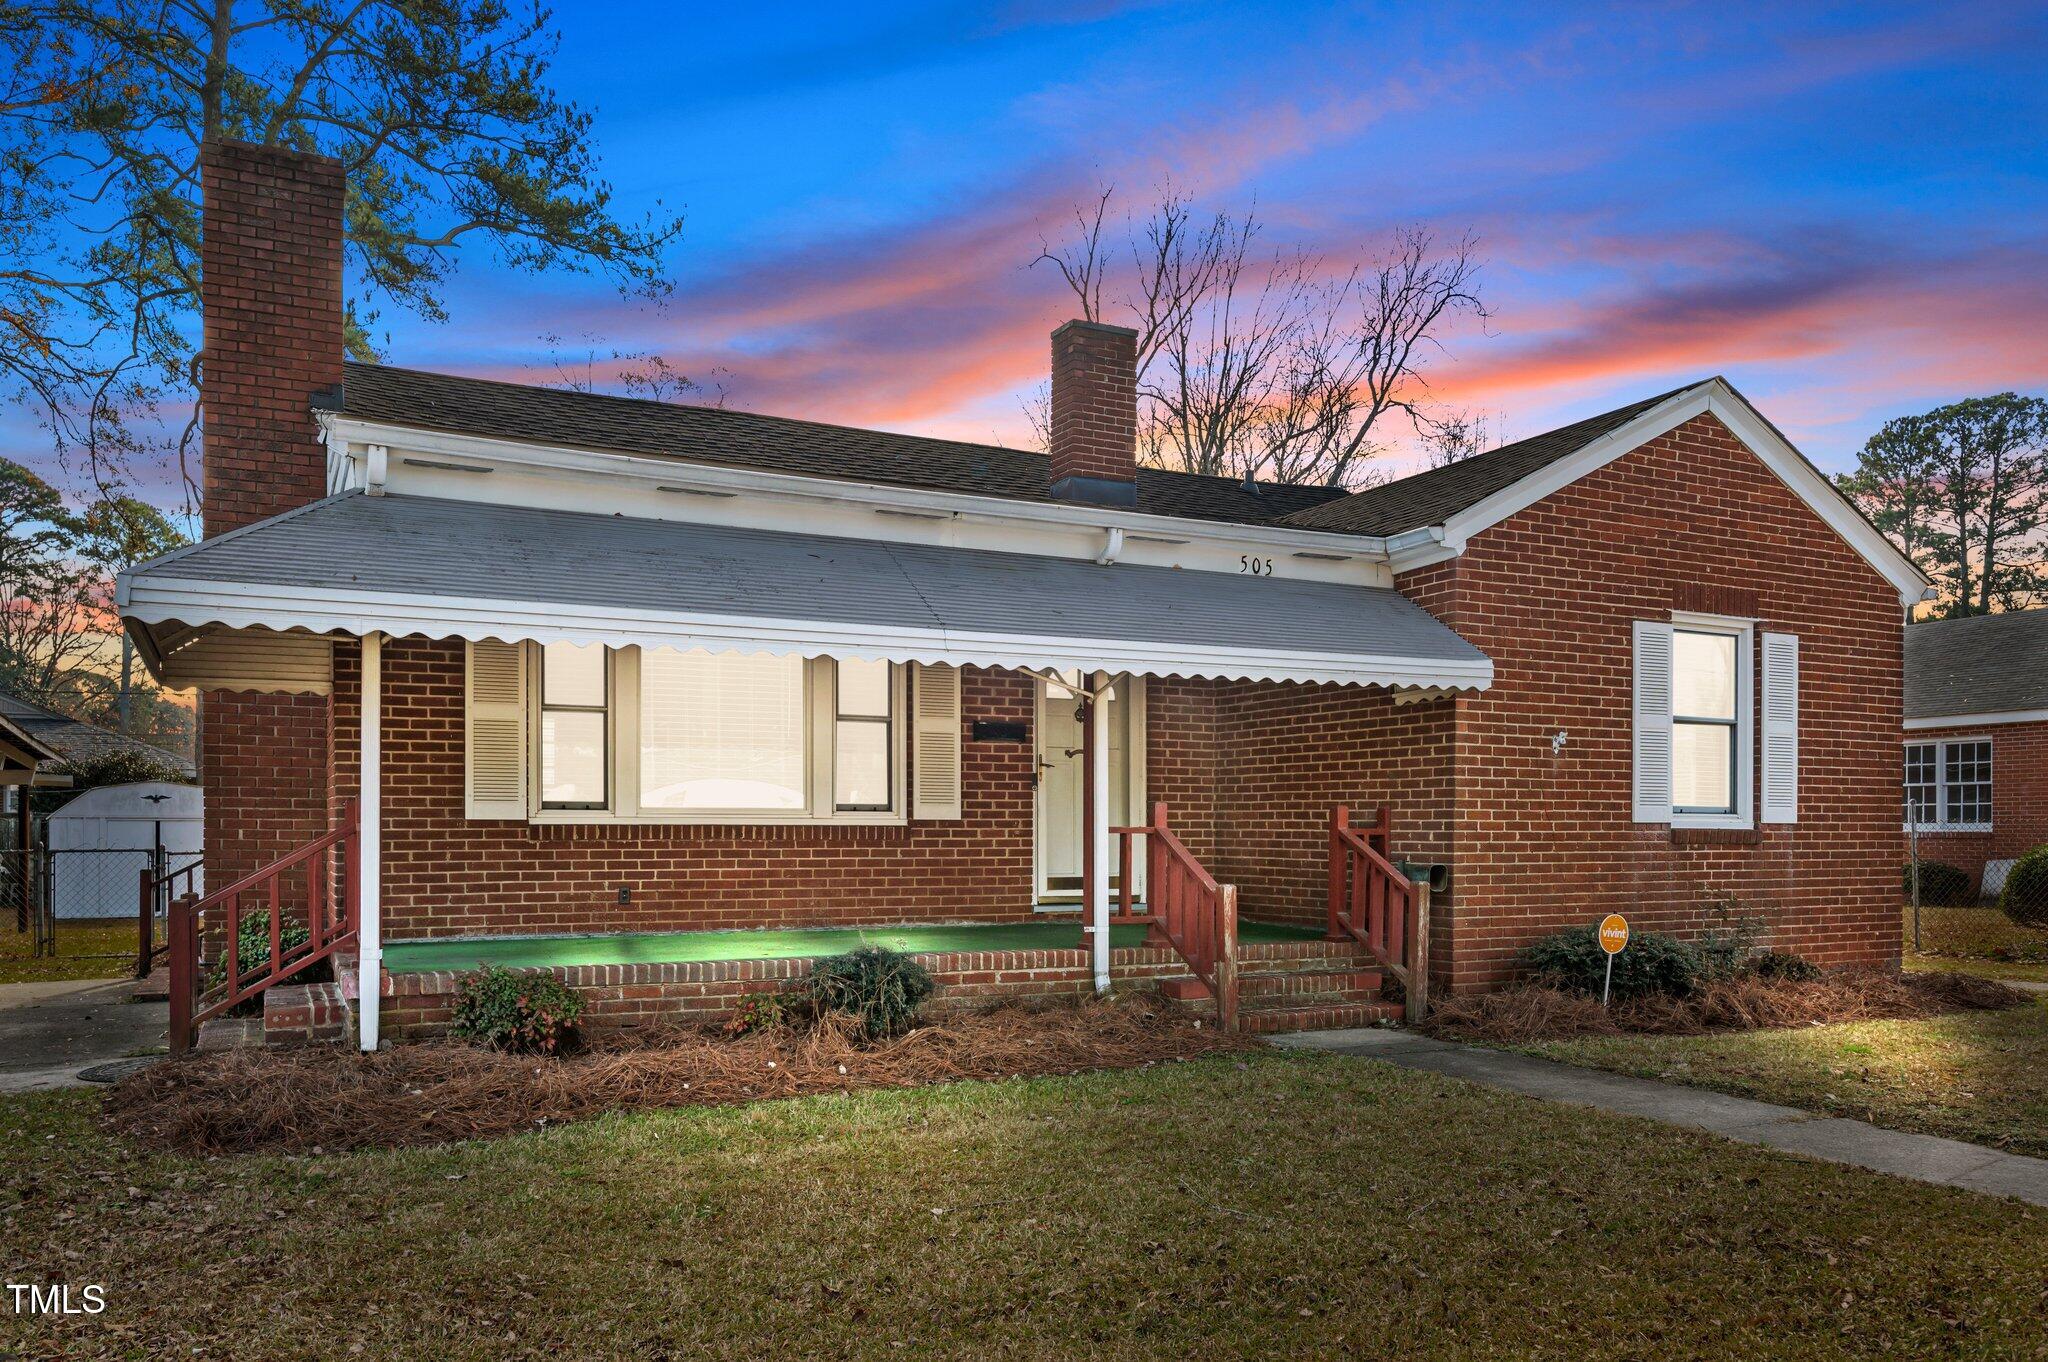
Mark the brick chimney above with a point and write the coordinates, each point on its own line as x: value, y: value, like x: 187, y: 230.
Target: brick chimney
x: 1095, y: 414
x: 270, y: 296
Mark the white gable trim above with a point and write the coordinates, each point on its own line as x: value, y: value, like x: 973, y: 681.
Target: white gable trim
x: 1714, y: 396
x: 2009, y: 716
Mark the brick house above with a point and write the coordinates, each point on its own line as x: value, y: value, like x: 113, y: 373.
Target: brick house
x: 641, y: 671
x: 1977, y: 737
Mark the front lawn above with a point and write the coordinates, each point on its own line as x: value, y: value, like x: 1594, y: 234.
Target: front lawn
x: 93, y: 949
x: 1267, y: 1205
x: 1979, y: 1076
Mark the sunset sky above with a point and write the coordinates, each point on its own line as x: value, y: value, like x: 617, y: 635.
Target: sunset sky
x: 1839, y: 207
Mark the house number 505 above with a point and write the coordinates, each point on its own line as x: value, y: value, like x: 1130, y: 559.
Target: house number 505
x: 1257, y: 567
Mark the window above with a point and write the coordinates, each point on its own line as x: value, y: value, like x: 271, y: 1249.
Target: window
x: 862, y: 736
x: 718, y: 737
x: 1948, y: 786
x: 1705, y: 722
x: 575, y: 692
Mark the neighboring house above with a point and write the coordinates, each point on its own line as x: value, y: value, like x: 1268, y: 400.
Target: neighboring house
x: 639, y: 667
x: 75, y: 740
x: 1977, y: 737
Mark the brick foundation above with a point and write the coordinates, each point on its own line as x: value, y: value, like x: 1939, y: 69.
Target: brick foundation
x: 420, y: 1005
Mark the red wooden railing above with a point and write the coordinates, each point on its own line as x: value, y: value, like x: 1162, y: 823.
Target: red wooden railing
x: 330, y: 925
x: 1374, y: 902
x: 158, y: 893
x: 1183, y: 902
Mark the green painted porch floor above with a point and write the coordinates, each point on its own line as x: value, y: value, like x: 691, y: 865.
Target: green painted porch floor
x: 639, y: 948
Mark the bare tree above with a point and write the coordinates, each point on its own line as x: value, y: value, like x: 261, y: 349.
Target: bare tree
x: 1269, y: 365
x: 640, y: 373
x: 1455, y: 436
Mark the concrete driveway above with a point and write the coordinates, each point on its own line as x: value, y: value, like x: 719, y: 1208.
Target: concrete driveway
x: 49, y: 1031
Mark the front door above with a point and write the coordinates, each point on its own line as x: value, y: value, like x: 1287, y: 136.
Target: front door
x: 1061, y: 773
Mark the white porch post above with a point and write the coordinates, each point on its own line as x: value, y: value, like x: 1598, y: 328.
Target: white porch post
x: 1098, y: 832
x: 370, y: 844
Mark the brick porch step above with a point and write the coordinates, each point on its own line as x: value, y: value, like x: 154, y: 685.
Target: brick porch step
x: 1339, y: 985
x: 1260, y: 1021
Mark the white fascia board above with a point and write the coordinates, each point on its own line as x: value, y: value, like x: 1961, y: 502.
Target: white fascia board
x: 1808, y: 483
x: 2009, y: 716
x: 245, y: 607
x: 584, y: 463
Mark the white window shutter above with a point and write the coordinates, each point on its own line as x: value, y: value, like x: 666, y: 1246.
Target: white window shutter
x: 494, y: 730
x: 935, y: 742
x: 1652, y: 722
x: 1781, y: 728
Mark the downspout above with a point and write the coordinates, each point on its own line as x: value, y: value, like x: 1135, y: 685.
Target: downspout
x: 1112, y: 548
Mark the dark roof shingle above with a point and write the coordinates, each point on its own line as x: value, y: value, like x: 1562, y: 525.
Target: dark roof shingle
x: 1979, y: 664
x: 1430, y: 497
x: 75, y: 740
x: 712, y: 435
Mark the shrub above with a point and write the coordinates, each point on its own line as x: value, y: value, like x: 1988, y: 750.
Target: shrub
x: 1653, y: 963
x: 1784, y: 965
x: 524, y: 1011
x: 881, y: 989
x: 1941, y: 885
x: 1729, y: 942
x: 2025, y: 897
x: 756, y: 1012
x: 252, y: 955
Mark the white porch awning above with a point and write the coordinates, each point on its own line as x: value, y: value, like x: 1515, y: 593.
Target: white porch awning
x: 353, y: 564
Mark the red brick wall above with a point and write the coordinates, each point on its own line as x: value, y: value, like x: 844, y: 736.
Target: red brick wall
x: 273, y: 324
x: 446, y: 876
x: 1094, y: 414
x: 1293, y: 752
x: 2019, y: 797
x: 1544, y: 841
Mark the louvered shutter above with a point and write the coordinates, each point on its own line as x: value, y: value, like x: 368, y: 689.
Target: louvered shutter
x: 935, y: 742
x: 1652, y: 722
x: 494, y: 731
x: 1781, y: 728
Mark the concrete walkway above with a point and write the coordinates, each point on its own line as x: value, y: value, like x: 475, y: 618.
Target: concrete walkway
x: 51, y: 1030
x: 1923, y: 1158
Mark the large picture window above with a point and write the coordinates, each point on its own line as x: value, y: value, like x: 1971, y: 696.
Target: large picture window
x: 662, y: 735
x: 1948, y: 785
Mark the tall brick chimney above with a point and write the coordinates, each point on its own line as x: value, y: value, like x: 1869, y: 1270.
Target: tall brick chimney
x: 1095, y: 414
x: 270, y: 295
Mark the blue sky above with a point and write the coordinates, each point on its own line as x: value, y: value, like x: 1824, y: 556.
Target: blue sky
x: 1841, y: 207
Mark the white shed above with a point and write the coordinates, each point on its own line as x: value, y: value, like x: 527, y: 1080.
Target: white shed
x: 101, y: 841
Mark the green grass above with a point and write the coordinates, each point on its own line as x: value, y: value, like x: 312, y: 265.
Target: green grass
x: 1980, y: 1076
x: 1977, y: 934
x: 1275, y: 1206
x: 93, y: 949
x: 635, y: 948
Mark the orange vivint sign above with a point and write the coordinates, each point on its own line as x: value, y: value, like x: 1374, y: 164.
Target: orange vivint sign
x: 1613, y: 933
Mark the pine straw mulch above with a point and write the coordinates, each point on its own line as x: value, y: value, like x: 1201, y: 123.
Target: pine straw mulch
x: 1746, y: 1003
x: 319, y: 1100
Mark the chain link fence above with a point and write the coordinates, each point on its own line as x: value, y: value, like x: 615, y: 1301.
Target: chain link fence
x: 2000, y: 915
x: 85, y: 905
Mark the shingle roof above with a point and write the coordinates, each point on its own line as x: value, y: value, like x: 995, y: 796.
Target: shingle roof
x: 525, y: 572
x: 555, y: 416
x: 74, y: 739
x: 1980, y: 664
x: 1429, y: 497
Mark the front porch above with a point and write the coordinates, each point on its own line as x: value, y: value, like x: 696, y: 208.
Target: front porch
x: 1289, y: 977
